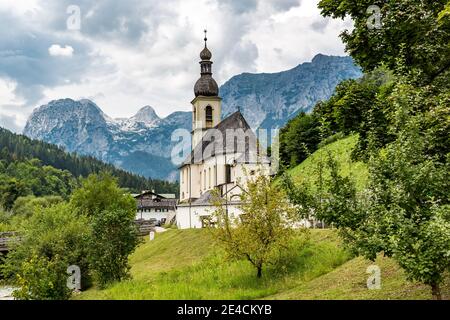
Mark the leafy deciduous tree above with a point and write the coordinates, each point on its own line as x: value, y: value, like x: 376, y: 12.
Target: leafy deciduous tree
x: 264, y: 230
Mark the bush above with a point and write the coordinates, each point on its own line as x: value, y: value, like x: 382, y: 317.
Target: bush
x: 53, y: 239
x: 25, y: 206
x: 5, y: 217
x: 95, y: 232
x: 111, y: 213
x: 42, y: 278
x: 113, y: 239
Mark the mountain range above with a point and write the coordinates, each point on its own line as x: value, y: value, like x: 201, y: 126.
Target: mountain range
x: 141, y: 144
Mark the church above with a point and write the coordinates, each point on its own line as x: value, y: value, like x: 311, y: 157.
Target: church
x: 225, y: 154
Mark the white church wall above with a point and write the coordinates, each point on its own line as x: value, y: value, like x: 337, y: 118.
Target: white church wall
x: 190, y: 217
x: 208, y: 175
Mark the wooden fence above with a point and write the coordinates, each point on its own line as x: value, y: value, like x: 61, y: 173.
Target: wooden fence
x: 6, y: 238
x: 144, y: 227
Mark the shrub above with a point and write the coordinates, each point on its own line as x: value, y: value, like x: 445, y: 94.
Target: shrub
x: 25, y: 206
x: 111, y: 213
x: 114, y: 238
x: 52, y: 239
x: 42, y: 278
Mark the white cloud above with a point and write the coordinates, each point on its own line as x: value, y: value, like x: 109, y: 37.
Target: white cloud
x: 7, y: 96
x: 57, y: 51
x: 12, y: 115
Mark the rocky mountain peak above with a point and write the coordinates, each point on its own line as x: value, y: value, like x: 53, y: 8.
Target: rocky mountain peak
x: 146, y: 115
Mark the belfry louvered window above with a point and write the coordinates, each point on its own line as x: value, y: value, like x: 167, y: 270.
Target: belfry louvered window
x: 209, y: 116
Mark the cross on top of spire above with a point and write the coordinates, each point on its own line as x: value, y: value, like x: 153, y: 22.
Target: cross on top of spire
x: 206, y: 36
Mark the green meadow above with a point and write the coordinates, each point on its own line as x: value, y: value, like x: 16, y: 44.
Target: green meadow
x: 187, y: 264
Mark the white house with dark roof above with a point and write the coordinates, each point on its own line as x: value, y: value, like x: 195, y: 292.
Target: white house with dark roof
x: 225, y: 154
x: 151, y: 205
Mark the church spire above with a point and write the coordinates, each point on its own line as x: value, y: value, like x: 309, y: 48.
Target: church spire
x: 206, y: 85
x: 206, y: 55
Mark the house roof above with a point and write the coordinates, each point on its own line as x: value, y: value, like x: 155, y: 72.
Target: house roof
x: 159, y: 203
x: 168, y: 195
x: 208, y: 147
x: 147, y: 192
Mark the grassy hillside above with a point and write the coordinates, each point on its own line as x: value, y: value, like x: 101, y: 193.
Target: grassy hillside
x: 188, y: 265
x: 308, y: 170
x: 349, y: 282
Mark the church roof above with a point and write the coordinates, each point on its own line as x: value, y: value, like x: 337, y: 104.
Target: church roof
x: 205, y: 54
x: 206, y: 86
x: 205, y: 199
x: 207, y: 147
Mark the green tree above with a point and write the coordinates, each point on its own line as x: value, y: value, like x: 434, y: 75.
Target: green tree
x: 404, y: 213
x: 263, y: 233
x: 100, y: 192
x: 404, y: 210
x: 24, y: 207
x: 52, y: 239
x: 111, y: 213
x: 298, y: 139
x: 10, y: 191
x: 113, y: 239
x: 414, y: 33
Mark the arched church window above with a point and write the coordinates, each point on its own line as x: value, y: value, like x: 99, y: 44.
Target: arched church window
x: 215, y: 175
x: 209, y: 116
x: 209, y: 178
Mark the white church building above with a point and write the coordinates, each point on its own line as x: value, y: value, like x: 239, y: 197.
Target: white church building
x: 225, y: 154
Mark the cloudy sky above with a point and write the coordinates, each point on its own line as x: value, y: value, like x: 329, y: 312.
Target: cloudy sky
x: 127, y: 54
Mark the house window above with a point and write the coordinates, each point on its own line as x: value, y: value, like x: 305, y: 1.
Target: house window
x: 204, y: 178
x: 201, y: 180
x: 209, y: 116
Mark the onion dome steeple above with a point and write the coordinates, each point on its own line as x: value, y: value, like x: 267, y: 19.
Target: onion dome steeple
x: 206, y: 85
